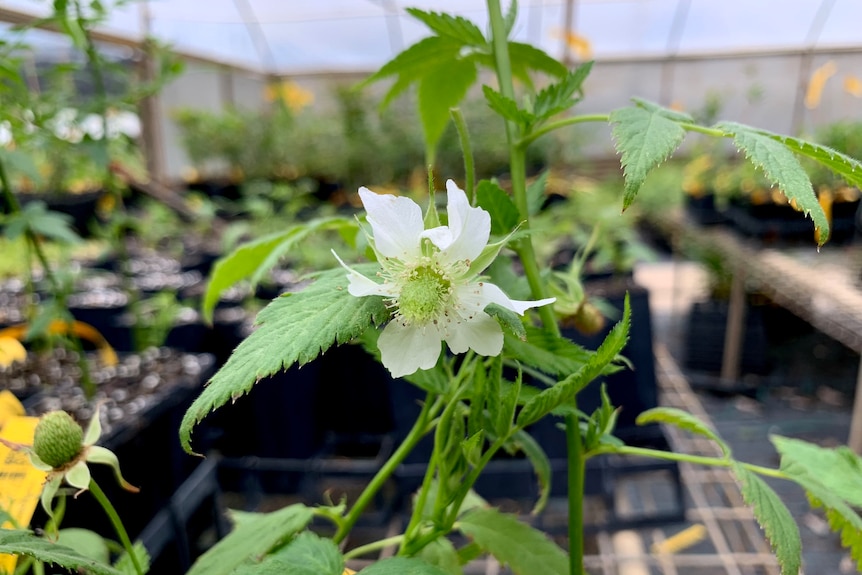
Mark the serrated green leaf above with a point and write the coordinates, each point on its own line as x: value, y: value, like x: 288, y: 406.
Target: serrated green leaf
x: 536, y: 193
x: 848, y: 168
x: 402, y: 566
x: 842, y: 518
x: 510, y: 320
x: 494, y: 200
x: 307, y: 554
x: 652, y: 107
x: 525, y: 549
x: 644, y: 139
x: 565, y: 390
x: 507, y: 108
x: 541, y: 466
x: 526, y: 57
x: 414, y: 61
x: 781, y: 168
x: 20, y: 542
x: 255, y: 536
x: 127, y: 566
x: 440, y: 89
x: 845, y: 467
x: 253, y: 259
x: 683, y: 420
x: 442, y: 554
x: 560, y: 96
x: 551, y: 354
x: 775, y: 519
x: 294, y: 328
x: 455, y: 27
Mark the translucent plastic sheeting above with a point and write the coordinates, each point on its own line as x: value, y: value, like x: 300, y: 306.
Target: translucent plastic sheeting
x: 290, y: 36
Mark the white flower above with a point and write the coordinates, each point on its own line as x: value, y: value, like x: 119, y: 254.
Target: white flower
x: 431, y: 281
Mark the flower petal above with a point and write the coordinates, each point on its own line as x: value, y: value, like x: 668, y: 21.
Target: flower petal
x: 396, y: 222
x: 49, y: 491
x: 97, y: 454
x: 482, y: 334
x: 79, y: 476
x: 469, y: 227
x: 483, y: 293
x: 405, y: 349
x: 361, y: 286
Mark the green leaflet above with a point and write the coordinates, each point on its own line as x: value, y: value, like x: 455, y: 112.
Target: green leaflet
x: 563, y: 391
x: 38, y: 219
x: 843, y: 165
x: 494, y: 200
x: 507, y: 107
x: 536, y: 193
x: 253, y: 259
x: 842, y: 518
x: 254, y: 537
x: 442, y: 554
x: 307, y: 554
x: 125, y: 564
x: 294, y: 328
x: 21, y: 542
x: 561, y: 96
x: 774, y: 518
x: 782, y: 168
x: 508, y: 319
x: 402, y: 566
x: 554, y: 355
x: 683, y: 420
x: 455, y: 27
x: 525, y: 57
x: 86, y: 542
x: 440, y: 89
x: 845, y: 467
x: 645, y: 136
x: 526, y: 550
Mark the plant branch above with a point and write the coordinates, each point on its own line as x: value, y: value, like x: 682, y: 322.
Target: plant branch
x: 682, y: 457
x: 550, y: 127
x: 374, y: 546
x: 117, y: 523
x: 413, y: 437
x: 467, y: 150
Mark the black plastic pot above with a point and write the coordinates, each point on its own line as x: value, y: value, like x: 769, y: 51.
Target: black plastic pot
x: 703, y: 210
x: 81, y: 207
x: 705, y: 330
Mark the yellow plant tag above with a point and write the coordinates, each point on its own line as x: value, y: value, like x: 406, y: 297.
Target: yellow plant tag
x: 11, y: 351
x: 79, y: 328
x: 9, y: 407
x: 20, y: 482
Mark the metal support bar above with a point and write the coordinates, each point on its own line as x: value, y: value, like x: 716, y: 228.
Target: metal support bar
x: 735, y: 331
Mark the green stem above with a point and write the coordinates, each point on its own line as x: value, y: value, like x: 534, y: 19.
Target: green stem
x: 374, y: 546
x: 117, y: 523
x: 704, y: 130
x: 576, y: 470
x: 416, y: 433
x: 695, y: 459
x: 467, y: 150
x: 570, y: 121
x: 527, y: 255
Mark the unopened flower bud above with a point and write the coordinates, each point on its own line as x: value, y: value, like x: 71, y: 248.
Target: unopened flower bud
x: 58, y: 439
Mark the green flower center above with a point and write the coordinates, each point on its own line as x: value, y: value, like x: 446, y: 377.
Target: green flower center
x: 424, y: 295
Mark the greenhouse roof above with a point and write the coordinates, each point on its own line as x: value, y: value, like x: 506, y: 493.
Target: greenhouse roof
x: 304, y: 36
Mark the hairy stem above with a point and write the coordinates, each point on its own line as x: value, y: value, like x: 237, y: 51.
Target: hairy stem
x: 374, y: 546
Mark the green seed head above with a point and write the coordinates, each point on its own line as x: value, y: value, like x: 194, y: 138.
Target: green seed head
x: 57, y: 440
x: 424, y: 295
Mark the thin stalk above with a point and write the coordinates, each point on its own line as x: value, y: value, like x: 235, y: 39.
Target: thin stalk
x: 467, y: 151
x: 695, y: 459
x: 374, y: 546
x: 531, y: 270
x: 117, y: 523
x: 551, y: 126
x: 413, y: 437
